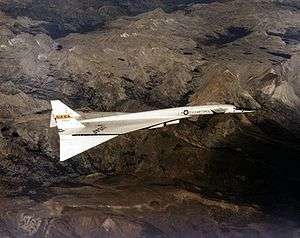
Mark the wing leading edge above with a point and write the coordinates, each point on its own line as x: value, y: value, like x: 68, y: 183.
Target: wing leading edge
x: 74, y: 142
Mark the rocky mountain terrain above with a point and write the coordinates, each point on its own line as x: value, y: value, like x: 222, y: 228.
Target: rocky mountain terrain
x: 215, y: 176
x: 59, y: 18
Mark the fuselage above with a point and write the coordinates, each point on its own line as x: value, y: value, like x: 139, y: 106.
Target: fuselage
x: 180, y: 112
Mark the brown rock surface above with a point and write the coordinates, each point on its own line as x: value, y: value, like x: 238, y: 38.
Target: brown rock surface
x: 197, y: 179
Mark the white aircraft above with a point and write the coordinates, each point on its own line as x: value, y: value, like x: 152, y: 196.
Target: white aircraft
x: 78, y: 135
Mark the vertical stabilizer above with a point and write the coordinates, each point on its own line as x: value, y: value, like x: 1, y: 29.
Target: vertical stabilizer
x: 64, y: 117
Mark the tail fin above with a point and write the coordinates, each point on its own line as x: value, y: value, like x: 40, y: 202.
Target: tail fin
x: 63, y: 117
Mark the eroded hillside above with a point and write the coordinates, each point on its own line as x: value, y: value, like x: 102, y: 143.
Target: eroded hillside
x: 211, y: 168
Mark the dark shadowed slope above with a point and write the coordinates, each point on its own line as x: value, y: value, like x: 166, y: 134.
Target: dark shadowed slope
x: 220, y: 176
